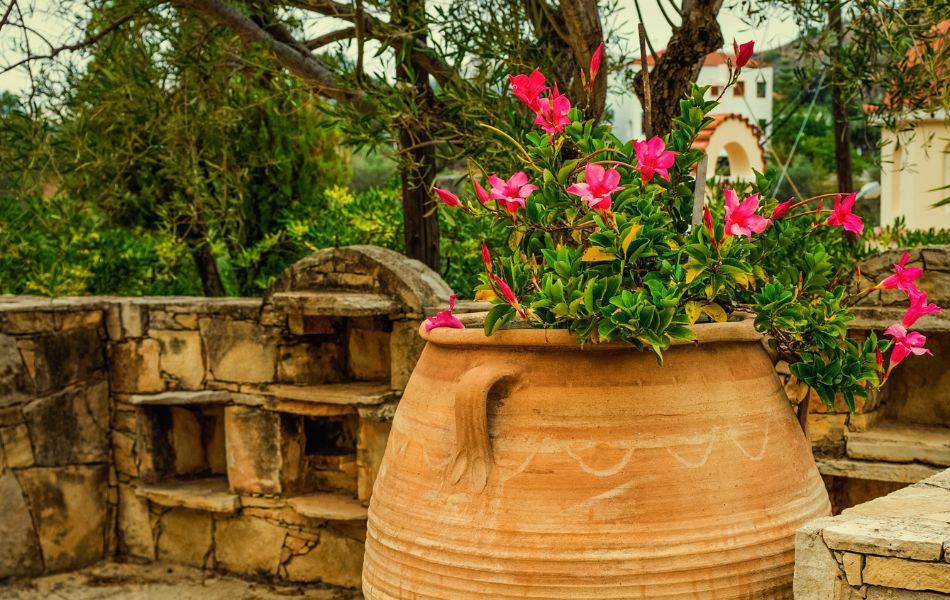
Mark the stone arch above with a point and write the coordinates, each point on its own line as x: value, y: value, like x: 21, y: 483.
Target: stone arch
x: 738, y: 139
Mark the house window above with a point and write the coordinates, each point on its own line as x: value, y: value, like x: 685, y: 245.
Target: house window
x: 714, y: 91
x: 760, y: 89
x: 739, y: 90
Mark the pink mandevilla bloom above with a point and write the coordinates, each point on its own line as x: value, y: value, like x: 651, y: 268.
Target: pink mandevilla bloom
x: 782, y: 209
x: 653, y: 158
x: 903, y: 277
x: 552, y: 112
x: 597, y: 186
x: 905, y: 343
x: 446, y: 196
x: 512, y: 193
x: 445, y: 318
x: 841, y: 214
x: 595, y: 61
x: 528, y: 88
x: 918, y: 307
x: 743, y: 52
x: 710, y: 227
x: 480, y: 192
x: 486, y: 257
x: 741, y: 218
x: 506, y: 292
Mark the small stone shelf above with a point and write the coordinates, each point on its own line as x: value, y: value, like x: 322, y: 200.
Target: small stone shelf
x: 335, y: 304
x: 875, y: 470
x: 328, y: 507
x: 209, y: 494
x: 182, y: 398
x: 360, y: 392
x: 901, y: 443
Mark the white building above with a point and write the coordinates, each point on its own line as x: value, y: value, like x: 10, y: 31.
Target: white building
x: 744, y: 114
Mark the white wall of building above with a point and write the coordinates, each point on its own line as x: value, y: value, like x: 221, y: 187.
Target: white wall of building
x: 913, y: 166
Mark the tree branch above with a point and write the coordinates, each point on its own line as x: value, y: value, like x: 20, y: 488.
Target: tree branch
x: 328, y: 38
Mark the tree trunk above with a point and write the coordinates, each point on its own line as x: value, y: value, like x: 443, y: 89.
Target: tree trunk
x: 839, y: 106
x: 581, y: 19
x: 207, y: 270
x: 416, y: 150
x: 678, y: 67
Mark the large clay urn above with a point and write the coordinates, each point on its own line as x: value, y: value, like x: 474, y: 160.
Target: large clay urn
x: 523, y: 466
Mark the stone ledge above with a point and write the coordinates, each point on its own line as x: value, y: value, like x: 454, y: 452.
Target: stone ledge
x: 874, y: 470
x: 336, y: 304
x: 902, y: 538
x: 181, y: 398
x: 907, y: 574
x: 364, y: 393
x: 209, y: 494
x: 328, y: 507
x: 901, y: 443
x: 867, y: 318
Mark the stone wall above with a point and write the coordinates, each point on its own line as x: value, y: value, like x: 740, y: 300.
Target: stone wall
x: 57, y: 491
x: 902, y: 435
x: 240, y: 435
x: 892, y: 548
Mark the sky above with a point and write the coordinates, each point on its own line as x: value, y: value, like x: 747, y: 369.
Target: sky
x: 776, y: 30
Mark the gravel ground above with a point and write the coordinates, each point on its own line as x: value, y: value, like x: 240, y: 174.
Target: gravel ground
x: 158, y: 582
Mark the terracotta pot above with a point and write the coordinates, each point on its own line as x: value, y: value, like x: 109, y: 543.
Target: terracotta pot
x: 522, y: 466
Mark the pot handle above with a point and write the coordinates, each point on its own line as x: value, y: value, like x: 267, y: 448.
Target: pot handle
x: 473, y: 453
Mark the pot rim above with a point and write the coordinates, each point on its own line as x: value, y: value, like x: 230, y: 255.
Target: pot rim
x: 706, y: 333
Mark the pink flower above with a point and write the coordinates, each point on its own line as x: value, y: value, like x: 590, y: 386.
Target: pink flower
x: 905, y: 343
x: 841, y: 214
x: 445, y: 318
x: 903, y: 277
x: 653, y: 158
x: 595, y: 61
x: 486, y: 257
x: 511, y: 193
x: 741, y: 218
x: 779, y: 211
x: 918, y: 307
x: 506, y: 292
x: 710, y: 227
x: 743, y: 52
x: 597, y: 186
x: 446, y: 196
x: 480, y: 192
x: 552, y: 112
x: 528, y: 87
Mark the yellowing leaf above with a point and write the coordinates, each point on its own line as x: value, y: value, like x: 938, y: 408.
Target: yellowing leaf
x: 514, y: 240
x: 693, y: 310
x: 715, y: 312
x: 485, y: 295
x: 693, y: 271
x: 631, y: 235
x: 744, y: 279
x: 597, y: 254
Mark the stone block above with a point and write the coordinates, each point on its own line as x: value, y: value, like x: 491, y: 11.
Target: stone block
x: 16, y: 385
x: 826, y: 432
x: 181, y: 357
x: 311, y: 363
x: 133, y: 317
x: 134, y: 525
x: 405, y: 347
x: 368, y: 353
x: 70, y: 427
x: 817, y: 575
x: 184, y: 536
x: 853, y: 564
x: 69, y: 505
x: 21, y: 322
x: 67, y: 357
x: 907, y: 574
x: 254, y: 452
x: 904, y: 538
x: 235, y: 554
x: 371, y: 445
x: 124, y: 454
x: 879, y: 593
x: 336, y: 560
x: 240, y: 351
x: 19, y: 546
x: 16, y: 446
x: 135, y: 367
x: 936, y: 258
x: 78, y: 319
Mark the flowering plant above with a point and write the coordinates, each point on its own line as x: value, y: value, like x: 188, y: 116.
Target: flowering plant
x: 601, y: 241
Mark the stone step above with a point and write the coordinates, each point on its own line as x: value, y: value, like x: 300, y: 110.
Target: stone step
x: 336, y: 304
x: 209, y: 494
x: 328, y: 506
x: 901, y: 443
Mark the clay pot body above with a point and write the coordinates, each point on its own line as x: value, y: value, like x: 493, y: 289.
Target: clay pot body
x: 522, y: 466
